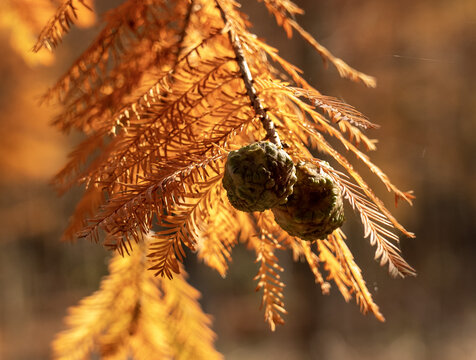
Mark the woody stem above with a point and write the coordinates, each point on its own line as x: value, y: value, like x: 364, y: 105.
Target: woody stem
x: 268, y: 125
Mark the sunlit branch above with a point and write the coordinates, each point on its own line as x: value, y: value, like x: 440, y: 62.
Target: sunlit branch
x: 271, y: 133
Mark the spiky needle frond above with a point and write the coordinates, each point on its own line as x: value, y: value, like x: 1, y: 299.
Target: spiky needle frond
x: 60, y: 24
x: 163, y: 93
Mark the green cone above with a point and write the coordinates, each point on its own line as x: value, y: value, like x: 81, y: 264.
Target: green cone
x: 258, y: 176
x: 315, y: 208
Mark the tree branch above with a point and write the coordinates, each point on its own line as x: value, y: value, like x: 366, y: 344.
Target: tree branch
x: 268, y: 125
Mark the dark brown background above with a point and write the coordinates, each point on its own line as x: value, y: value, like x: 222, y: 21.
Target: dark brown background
x: 423, y: 54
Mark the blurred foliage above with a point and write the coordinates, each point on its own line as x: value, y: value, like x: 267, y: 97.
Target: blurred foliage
x: 22, y: 21
x: 422, y: 54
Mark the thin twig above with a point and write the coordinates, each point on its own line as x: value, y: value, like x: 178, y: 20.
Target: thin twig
x: 271, y: 133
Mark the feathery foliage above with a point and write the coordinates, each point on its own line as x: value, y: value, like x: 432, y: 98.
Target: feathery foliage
x: 137, y: 314
x: 162, y: 94
x: 25, y: 18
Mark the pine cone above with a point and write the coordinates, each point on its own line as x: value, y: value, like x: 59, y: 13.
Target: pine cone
x: 315, y: 208
x: 258, y: 176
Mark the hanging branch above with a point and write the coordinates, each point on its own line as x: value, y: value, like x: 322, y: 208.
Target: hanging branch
x: 162, y: 94
x: 268, y: 125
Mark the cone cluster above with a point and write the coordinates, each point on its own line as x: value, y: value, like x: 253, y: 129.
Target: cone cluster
x: 305, y: 202
x: 258, y: 177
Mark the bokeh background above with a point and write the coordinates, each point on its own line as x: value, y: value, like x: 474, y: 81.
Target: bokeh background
x: 423, y: 55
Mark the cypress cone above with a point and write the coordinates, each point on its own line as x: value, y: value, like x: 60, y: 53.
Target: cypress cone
x: 258, y: 177
x: 315, y: 208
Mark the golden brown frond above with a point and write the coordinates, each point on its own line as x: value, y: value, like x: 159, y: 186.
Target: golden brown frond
x: 60, y: 24
x: 334, y: 268
x: 130, y: 28
x: 104, y: 106
x: 172, y: 193
x: 337, y: 110
x: 186, y: 323
x: 268, y: 276
x: 344, y: 70
x: 348, y: 119
x: 285, y: 11
x: 184, y: 223
x: 166, y: 252
x: 139, y: 315
x: 336, y: 244
x: 23, y: 20
x: 313, y: 262
x: 221, y: 233
x: 376, y: 225
x: 183, y: 207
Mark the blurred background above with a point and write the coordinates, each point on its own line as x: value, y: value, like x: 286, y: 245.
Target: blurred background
x: 423, y: 55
